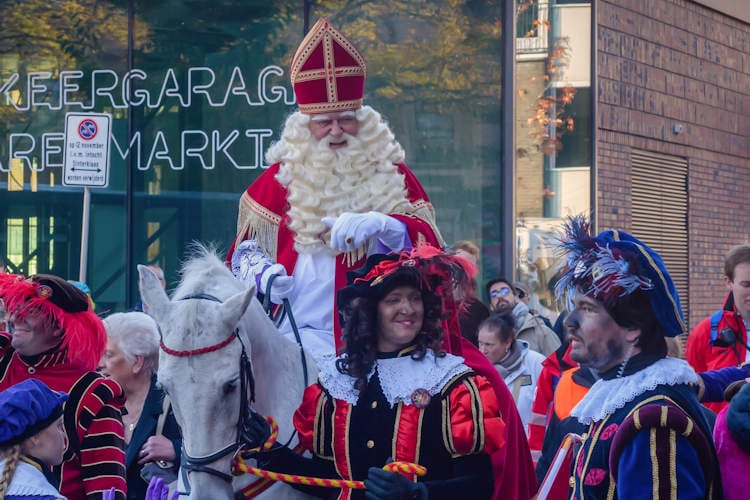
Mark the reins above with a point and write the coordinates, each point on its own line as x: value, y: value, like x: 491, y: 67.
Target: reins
x: 287, y: 310
x: 406, y: 469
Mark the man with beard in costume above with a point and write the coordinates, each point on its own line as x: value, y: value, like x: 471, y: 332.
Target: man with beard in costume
x: 646, y: 435
x: 337, y: 191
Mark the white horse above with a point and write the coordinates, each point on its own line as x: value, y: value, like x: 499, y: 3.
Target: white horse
x: 211, y: 319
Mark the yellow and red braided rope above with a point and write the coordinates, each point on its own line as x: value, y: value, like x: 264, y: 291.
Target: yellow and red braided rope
x: 407, y: 469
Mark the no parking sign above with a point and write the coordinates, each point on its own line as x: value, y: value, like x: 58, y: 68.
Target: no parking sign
x: 86, y: 156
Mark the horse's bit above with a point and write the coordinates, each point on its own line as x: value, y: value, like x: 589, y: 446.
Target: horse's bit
x: 245, y: 419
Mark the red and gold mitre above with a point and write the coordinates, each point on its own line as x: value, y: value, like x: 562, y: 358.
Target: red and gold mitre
x: 327, y: 71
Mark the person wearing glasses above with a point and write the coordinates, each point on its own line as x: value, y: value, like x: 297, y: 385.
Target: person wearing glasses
x: 337, y: 190
x: 529, y: 327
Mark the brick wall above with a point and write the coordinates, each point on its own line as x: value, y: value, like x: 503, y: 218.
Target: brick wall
x: 662, y: 63
x: 529, y: 157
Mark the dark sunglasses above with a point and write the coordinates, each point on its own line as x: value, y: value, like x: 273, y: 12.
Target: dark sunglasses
x: 500, y: 293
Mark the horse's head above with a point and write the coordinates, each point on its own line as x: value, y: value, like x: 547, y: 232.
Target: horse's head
x: 199, y: 363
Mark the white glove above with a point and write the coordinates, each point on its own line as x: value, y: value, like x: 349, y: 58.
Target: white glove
x: 282, y: 286
x: 251, y: 266
x: 350, y: 231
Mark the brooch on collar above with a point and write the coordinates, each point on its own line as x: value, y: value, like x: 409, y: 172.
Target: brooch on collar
x: 421, y: 398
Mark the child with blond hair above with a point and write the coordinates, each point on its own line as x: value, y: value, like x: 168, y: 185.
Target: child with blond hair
x: 32, y: 440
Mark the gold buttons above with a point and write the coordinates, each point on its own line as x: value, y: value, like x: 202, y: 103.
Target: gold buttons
x: 370, y: 444
x: 571, y: 481
x: 374, y: 405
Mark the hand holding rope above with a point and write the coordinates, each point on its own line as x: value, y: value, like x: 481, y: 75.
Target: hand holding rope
x: 406, y: 469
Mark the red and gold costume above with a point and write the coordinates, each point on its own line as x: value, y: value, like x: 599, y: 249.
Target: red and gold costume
x: 442, y: 416
x: 263, y: 215
x: 328, y: 75
x: 95, y: 458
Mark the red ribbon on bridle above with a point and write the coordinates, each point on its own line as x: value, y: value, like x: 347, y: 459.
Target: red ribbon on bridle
x: 201, y: 350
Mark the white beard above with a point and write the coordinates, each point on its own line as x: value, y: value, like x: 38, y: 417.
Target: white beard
x: 322, y: 182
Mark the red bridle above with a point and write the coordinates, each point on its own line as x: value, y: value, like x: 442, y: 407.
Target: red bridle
x: 247, y: 394
x: 202, y: 350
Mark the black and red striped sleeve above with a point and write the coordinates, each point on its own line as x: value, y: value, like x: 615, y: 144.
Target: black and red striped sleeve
x: 102, y: 444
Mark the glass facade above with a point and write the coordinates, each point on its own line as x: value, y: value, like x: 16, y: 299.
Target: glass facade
x: 196, y: 91
x: 553, y: 131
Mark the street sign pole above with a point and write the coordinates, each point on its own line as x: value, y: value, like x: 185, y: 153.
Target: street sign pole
x: 86, y: 164
x: 85, y: 234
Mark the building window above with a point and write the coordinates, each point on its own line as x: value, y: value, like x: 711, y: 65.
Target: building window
x: 552, y: 170
x: 532, y: 27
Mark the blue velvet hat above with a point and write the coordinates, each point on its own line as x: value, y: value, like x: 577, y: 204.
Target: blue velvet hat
x: 614, y: 264
x: 27, y: 408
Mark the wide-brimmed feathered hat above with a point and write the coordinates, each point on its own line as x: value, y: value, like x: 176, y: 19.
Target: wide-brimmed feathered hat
x: 60, y: 303
x: 427, y: 268
x: 614, y: 264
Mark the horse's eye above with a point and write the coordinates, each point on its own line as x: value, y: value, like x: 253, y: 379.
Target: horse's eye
x: 229, y: 387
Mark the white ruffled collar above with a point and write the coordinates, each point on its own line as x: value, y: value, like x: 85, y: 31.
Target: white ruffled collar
x: 607, y: 396
x: 399, y: 377
x: 29, y: 481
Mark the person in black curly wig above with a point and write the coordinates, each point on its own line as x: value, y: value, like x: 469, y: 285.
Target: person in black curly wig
x: 362, y: 323
x: 394, y: 394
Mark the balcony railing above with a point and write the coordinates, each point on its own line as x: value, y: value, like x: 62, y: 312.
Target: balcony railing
x: 531, y: 26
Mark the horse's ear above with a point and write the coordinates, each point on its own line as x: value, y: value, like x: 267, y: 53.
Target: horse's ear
x: 152, y: 293
x: 234, y: 307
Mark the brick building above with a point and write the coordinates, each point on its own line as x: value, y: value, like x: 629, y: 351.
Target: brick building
x: 674, y: 94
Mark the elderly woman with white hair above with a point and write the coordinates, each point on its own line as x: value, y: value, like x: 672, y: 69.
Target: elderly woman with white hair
x: 132, y: 358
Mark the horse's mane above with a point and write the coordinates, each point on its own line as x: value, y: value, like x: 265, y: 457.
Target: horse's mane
x: 203, y: 271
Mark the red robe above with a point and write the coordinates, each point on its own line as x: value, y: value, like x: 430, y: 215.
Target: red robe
x: 263, y: 213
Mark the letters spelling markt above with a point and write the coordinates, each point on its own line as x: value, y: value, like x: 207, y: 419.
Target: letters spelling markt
x: 39, y: 91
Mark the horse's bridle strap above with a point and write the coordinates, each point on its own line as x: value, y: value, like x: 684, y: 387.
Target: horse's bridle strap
x: 201, y: 350
x: 198, y: 464
x: 247, y: 384
x: 194, y: 352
